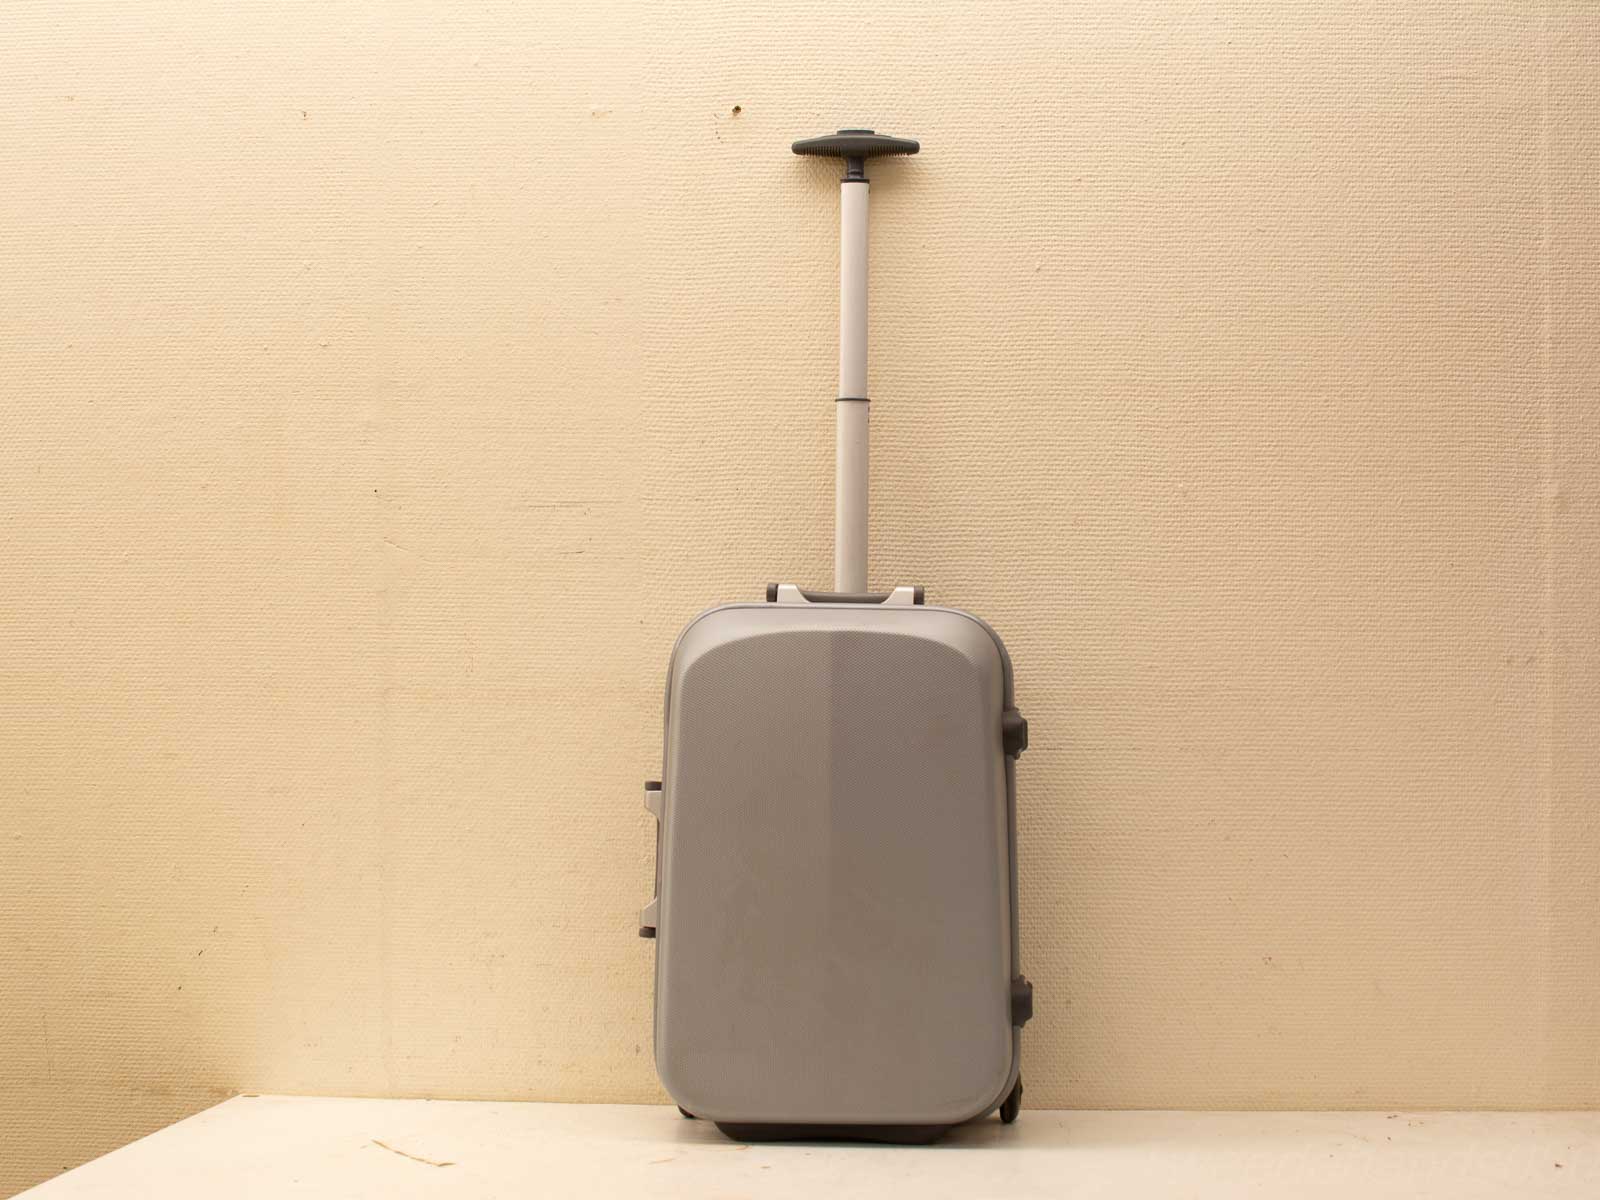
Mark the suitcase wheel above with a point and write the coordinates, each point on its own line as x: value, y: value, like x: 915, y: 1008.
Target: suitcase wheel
x: 1012, y: 1104
x: 690, y: 1115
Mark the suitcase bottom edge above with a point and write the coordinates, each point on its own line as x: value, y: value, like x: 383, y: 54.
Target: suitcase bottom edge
x: 900, y: 1135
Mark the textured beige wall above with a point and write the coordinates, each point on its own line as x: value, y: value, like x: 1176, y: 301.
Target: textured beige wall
x: 385, y: 385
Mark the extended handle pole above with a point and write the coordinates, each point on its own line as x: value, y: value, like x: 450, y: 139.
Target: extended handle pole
x: 851, y: 411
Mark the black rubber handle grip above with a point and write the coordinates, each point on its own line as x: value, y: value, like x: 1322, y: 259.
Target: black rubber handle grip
x: 855, y: 143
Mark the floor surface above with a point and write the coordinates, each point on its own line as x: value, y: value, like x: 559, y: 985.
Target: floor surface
x: 277, y: 1146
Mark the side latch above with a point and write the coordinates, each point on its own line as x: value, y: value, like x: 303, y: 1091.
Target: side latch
x: 649, y: 914
x: 1013, y: 732
x: 1021, y: 1001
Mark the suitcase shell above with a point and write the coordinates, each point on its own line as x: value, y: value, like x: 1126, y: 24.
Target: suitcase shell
x: 836, y: 915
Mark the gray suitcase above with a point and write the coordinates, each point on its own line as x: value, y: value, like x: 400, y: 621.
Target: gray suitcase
x: 836, y: 880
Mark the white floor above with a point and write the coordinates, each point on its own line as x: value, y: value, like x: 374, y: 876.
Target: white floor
x: 278, y: 1146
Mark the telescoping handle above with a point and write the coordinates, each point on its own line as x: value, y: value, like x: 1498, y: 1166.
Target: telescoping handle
x: 855, y: 146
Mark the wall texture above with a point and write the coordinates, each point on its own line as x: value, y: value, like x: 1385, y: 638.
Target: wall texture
x: 384, y: 385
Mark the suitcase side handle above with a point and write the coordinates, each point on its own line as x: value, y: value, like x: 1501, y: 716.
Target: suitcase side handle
x: 650, y: 914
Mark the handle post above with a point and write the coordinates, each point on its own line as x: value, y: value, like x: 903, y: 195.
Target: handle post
x: 852, y: 406
x: 852, y: 409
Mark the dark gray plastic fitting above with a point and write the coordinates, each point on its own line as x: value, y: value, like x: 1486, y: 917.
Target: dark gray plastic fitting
x: 855, y: 146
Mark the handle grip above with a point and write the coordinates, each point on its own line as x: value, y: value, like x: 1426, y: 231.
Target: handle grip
x: 855, y: 146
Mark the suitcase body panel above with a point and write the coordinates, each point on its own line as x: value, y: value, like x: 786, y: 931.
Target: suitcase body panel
x: 836, y: 913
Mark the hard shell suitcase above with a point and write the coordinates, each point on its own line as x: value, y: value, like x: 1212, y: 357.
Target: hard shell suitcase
x: 836, y: 881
